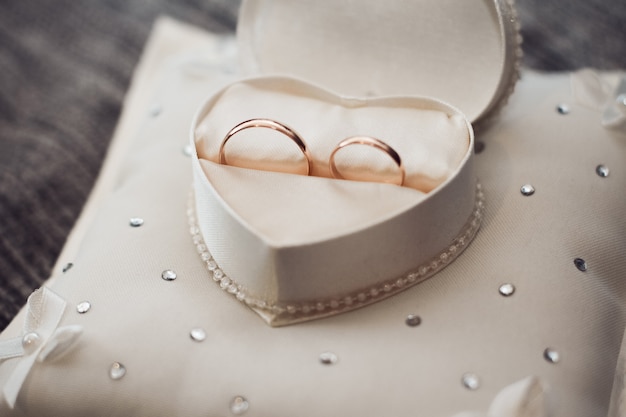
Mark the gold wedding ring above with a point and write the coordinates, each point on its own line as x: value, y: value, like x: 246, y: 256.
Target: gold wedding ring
x: 369, y: 141
x: 269, y: 124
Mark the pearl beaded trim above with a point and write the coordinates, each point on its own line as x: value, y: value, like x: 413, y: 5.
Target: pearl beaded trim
x: 326, y: 307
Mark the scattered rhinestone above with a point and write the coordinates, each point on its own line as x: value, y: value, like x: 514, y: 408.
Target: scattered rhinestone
x: 551, y: 355
x: 168, y: 275
x: 117, y: 371
x: 580, y: 264
x: 602, y: 171
x: 197, y: 334
x: 328, y: 358
x: 155, y: 110
x: 563, y: 109
x: 239, y: 405
x: 413, y: 320
x: 507, y: 290
x: 136, y: 221
x: 471, y: 381
x: 527, y: 190
x: 83, y: 307
x: 187, y: 150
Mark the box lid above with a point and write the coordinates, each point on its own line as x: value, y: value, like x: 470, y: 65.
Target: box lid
x: 463, y: 52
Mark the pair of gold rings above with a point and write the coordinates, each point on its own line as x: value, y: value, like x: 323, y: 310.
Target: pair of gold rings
x: 291, y: 134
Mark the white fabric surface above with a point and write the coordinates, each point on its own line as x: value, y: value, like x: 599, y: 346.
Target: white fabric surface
x: 385, y: 367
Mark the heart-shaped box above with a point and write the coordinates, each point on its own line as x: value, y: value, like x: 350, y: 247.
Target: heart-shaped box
x: 296, y: 247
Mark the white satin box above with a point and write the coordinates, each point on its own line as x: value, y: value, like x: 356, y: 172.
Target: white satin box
x: 300, y: 247
x: 527, y: 320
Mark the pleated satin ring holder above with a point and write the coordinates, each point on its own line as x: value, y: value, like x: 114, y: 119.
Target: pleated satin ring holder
x: 297, y: 139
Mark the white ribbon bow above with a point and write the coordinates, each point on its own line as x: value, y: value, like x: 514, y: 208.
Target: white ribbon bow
x: 603, y: 92
x: 526, y: 398
x: 42, y: 339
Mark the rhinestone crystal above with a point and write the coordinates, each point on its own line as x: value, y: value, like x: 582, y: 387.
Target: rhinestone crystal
x: 168, y: 275
x: 412, y: 320
x: 551, y: 355
x: 328, y: 358
x: 580, y: 264
x: 602, y: 171
x: 527, y: 190
x: 563, y: 109
x: 117, y: 371
x: 136, y: 221
x: 225, y: 283
x: 470, y: 381
x: 83, y: 307
x: 187, y: 150
x: 506, y: 289
x: 239, y: 405
x: 197, y: 334
x: 155, y: 110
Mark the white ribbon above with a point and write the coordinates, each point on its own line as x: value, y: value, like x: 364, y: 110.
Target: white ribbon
x: 42, y: 339
x: 603, y: 92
